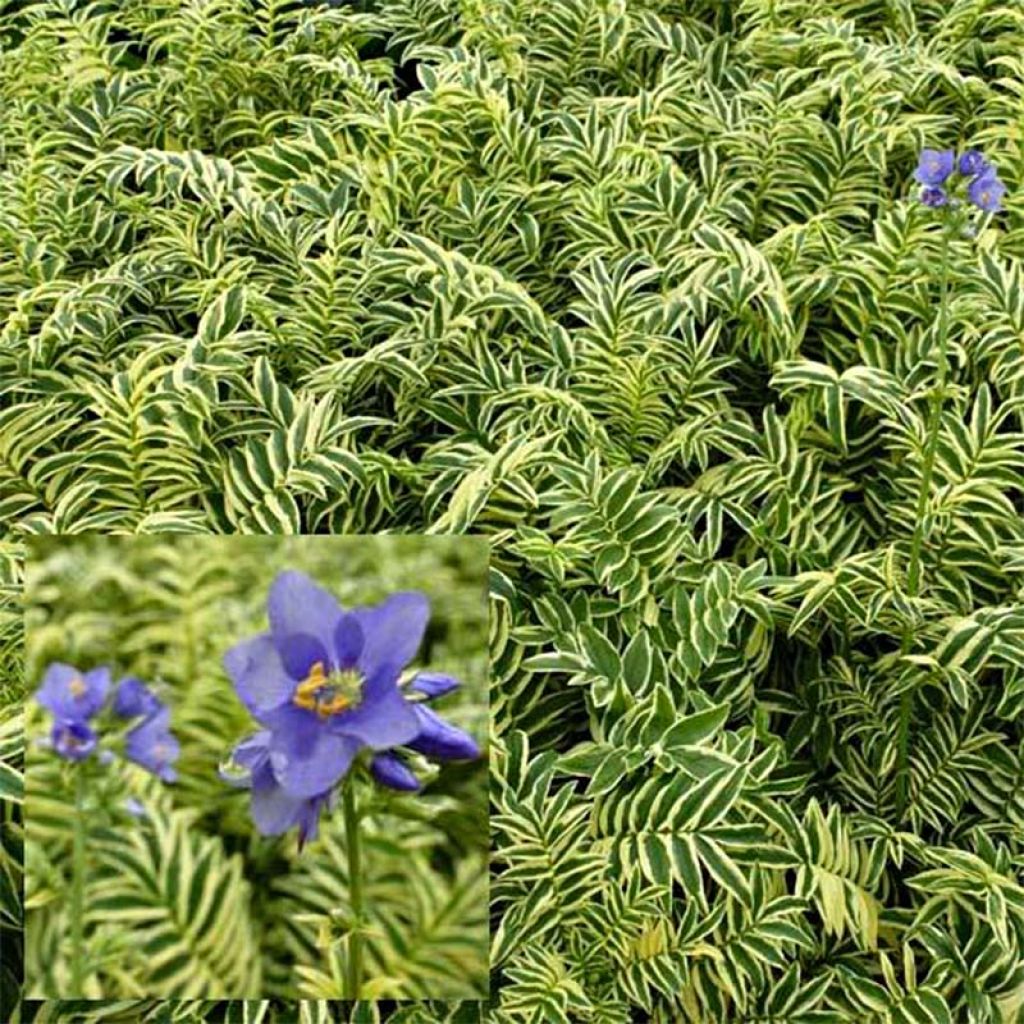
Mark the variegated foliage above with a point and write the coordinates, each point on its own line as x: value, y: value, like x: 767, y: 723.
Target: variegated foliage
x: 637, y: 291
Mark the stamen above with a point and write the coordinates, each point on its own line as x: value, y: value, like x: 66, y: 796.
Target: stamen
x: 76, y: 687
x: 332, y: 706
x: 327, y: 694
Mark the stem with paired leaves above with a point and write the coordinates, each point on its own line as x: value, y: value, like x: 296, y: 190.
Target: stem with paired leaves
x: 917, y: 541
x: 78, y: 888
x: 354, y: 964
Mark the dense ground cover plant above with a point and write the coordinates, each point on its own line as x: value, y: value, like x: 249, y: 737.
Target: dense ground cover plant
x: 164, y: 879
x: 645, y: 293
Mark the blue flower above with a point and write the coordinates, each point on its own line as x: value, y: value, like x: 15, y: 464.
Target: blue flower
x: 934, y: 166
x: 74, y: 698
x: 987, y: 191
x: 324, y: 684
x: 973, y: 163
x: 933, y: 195
x: 324, y: 681
x: 133, y: 698
x: 73, y: 740
x: 70, y: 695
x: 152, y: 745
x: 274, y: 810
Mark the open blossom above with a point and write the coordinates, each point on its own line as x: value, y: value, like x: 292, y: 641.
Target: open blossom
x: 152, y: 745
x: 323, y: 682
x: 73, y: 696
x: 986, y: 192
x: 934, y: 166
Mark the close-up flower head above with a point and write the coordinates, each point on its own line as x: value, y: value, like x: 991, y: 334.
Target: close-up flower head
x: 325, y: 683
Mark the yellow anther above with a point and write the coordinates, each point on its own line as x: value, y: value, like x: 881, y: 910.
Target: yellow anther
x: 76, y: 687
x: 331, y: 707
x: 326, y: 694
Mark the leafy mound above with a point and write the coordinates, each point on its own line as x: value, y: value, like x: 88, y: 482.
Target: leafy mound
x: 635, y: 290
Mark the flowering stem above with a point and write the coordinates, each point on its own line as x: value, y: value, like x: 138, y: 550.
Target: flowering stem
x: 78, y: 888
x: 354, y: 966
x: 917, y: 541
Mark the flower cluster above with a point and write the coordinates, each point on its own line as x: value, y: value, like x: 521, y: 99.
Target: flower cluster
x: 936, y: 167
x: 75, y: 699
x: 325, y: 685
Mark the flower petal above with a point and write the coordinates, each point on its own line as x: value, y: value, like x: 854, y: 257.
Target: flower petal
x: 312, y: 769
x: 72, y: 695
x: 73, y: 740
x: 298, y: 605
x: 299, y: 653
x: 935, y: 166
x: 348, y: 640
x: 392, y: 771
x: 383, y: 720
x: 153, y: 746
x: 309, y: 819
x: 258, y: 673
x: 392, y: 633
x: 438, y: 738
x: 434, y: 684
x: 274, y: 811
x: 243, y: 767
x: 132, y: 698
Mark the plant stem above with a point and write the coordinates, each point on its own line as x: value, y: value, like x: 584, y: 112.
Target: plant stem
x: 917, y: 541
x: 354, y: 966
x: 78, y: 888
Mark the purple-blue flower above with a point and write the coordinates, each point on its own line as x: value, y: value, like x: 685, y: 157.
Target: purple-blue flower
x: 152, y: 745
x: 934, y: 166
x: 274, y: 810
x: 133, y: 698
x: 324, y: 681
x: 933, y: 195
x: 70, y: 695
x: 74, y: 698
x: 73, y: 740
x: 987, y: 191
x: 973, y: 163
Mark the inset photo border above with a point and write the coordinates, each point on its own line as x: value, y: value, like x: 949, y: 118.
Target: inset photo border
x: 256, y: 767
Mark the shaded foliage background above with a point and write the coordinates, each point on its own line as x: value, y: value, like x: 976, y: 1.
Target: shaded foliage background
x: 633, y: 289
x: 191, y: 900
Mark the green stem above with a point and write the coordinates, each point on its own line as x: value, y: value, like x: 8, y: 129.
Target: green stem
x: 917, y: 541
x: 78, y: 888
x: 354, y: 966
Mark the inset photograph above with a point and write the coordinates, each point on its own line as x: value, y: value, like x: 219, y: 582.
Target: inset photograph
x: 256, y: 767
